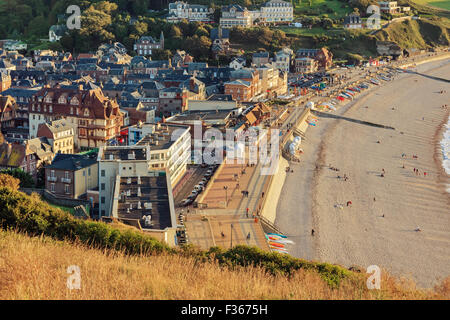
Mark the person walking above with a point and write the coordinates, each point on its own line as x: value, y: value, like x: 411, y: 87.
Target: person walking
x: 246, y: 213
x: 312, y: 232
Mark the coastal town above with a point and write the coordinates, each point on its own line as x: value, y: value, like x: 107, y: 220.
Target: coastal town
x: 277, y: 149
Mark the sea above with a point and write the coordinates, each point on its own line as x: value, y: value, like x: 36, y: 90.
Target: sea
x: 445, y: 147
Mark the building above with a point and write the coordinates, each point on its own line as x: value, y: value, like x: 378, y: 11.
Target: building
x: 305, y: 65
x: 390, y: 7
x: 96, y: 118
x: 234, y: 15
x: 276, y: 11
x: 240, y: 90
x: 284, y: 59
x: 118, y: 161
x: 323, y: 57
x: 238, y: 63
x: 18, y: 156
x: 272, y: 82
x: 5, y: 81
x: 71, y: 175
x: 8, y: 108
x: 14, y: 45
x: 260, y: 58
x: 170, y: 147
x: 180, y: 10
x: 172, y: 100
x: 353, y: 21
x: 56, y: 32
x: 60, y: 133
x: 146, y: 202
x: 146, y: 44
x: 220, y: 38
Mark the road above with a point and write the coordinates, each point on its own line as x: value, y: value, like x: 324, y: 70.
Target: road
x: 187, y: 188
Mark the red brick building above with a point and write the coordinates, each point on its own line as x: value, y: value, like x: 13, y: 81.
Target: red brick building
x: 96, y: 118
x: 240, y: 90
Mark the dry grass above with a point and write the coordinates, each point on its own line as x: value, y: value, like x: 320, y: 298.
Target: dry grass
x: 35, y: 268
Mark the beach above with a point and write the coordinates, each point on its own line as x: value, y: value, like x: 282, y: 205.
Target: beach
x: 378, y: 227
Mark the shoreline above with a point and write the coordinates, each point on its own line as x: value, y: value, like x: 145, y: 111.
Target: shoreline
x: 349, y: 231
x: 303, y: 206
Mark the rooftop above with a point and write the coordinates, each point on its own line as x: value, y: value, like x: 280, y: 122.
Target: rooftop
x: 72, y: 162
x: 145, y: 196
x: 161, y: 138
x: 123, y: 153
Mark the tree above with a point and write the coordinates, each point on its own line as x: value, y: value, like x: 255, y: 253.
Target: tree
x: 140, y: 28
x: 26, y: 180
x: 8, y: 181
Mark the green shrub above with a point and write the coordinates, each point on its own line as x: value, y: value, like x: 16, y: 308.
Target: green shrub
x: 29, y: 214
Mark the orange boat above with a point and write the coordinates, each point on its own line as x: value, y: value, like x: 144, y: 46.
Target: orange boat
x: 279, y: 245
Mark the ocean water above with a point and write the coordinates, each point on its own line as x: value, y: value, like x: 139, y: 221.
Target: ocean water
x: 445, y: 146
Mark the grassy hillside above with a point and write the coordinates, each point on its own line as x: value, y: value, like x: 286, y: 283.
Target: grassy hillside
x: 443, y: 4
x: 36, y: 268
x: 333, y: 8
x: 39, y: 242
x: 417, y: 33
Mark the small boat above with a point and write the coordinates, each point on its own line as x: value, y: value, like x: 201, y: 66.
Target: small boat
x: 276, y: 234
x: 275, y: 244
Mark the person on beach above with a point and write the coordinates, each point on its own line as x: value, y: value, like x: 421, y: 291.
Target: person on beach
x: 312, y: 232
x: 349, y: 203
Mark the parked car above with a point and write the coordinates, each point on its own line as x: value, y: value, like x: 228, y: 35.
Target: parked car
x: 186, y: 202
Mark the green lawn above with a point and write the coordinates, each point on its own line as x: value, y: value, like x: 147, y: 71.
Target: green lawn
x: 68, y: 209
x: 333, y: 8
x: 316, y: 31
x: 443, y: 4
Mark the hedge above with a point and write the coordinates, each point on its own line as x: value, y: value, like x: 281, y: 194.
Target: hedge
x: 29, y: 214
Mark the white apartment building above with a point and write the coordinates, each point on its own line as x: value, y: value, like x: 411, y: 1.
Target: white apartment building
x: 122, y: 161
x: 170, y: 148
x: 180, y: 10
x: 234, y: 15
x: 277, y: 11
x: 283, y: 59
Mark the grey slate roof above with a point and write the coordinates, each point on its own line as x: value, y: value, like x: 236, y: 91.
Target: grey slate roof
x: 72, y: 162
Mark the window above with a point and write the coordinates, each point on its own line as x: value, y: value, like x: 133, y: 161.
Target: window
x: 103, y: 173
x: 66, y: 188
x: 102, y: 186
x: 89, y: 171
x: 66, y: 174
x: 102, y: 200
x: 52, y: 173
x: 52, y: 187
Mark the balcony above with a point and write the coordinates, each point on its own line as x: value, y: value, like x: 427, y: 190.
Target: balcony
x: 64, y: 180
x: 50, y: 178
